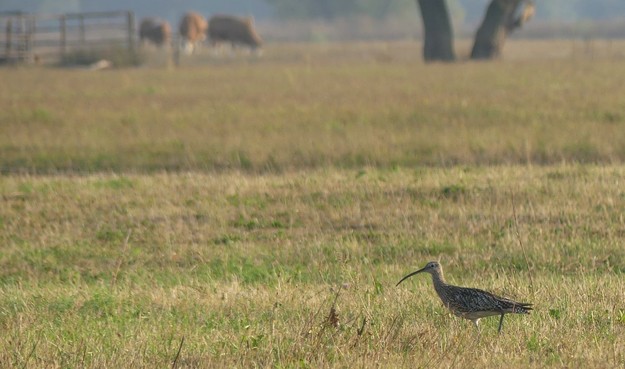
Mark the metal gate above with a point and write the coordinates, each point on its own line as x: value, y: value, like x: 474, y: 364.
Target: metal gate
x: 45, y: 38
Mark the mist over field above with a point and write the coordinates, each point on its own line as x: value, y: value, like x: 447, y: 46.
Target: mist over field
x: 570, y: 18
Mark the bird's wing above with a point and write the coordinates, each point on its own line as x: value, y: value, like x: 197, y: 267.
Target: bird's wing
x: 467, y: 300
x: 502, y: 304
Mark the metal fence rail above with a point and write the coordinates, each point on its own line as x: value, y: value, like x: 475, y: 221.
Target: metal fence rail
x: 49, y: 37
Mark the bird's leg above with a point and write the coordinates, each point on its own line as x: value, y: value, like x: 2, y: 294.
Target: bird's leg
x: 476, y: 322
x: 500, y: 323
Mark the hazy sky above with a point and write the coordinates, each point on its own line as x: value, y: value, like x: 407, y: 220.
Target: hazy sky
x: 471, y: 10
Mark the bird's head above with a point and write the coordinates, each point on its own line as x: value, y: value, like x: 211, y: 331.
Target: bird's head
x: 433, y: 267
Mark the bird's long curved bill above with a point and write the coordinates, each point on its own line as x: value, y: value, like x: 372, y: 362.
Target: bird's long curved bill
x: 409, y: 275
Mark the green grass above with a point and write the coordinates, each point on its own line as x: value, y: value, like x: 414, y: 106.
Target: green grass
x: 263, y: 210
x: 246, y: 268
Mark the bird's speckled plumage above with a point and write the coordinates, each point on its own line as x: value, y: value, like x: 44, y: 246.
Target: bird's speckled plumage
x: 470, y: 303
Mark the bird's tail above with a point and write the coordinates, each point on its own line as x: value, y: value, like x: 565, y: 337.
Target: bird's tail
x: 522, y: 308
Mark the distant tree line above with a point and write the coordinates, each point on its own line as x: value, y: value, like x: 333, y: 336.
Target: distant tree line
x: 332, y: 9
x: 171, y: 10
x: 472, y: 10
x: 467, y: 10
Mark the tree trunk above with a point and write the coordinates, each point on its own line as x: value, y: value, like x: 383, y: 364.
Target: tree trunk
x: 498, y: 22
x: 438, y: 38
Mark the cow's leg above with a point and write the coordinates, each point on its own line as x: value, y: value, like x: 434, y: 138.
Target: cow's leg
x: 187, y: 47
x: 216, y: 48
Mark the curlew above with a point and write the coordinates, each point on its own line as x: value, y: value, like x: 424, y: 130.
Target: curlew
x: 470, y: 303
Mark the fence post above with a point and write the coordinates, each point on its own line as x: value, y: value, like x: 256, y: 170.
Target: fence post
x: 63, y: 29
x: 23, y: 37
x: 30, y: 39
x: 130, y: 22
x: 82, y: 30
x: 9, y: 38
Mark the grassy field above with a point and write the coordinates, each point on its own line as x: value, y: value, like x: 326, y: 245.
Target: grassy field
x: 298, y: 108
x: 258, y: 213
x: 111, y: 271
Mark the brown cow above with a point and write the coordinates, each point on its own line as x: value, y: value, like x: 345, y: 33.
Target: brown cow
x: 192, y: 28
x: 154, y: 30
x: 526, y: 13
x: 237, y: 31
